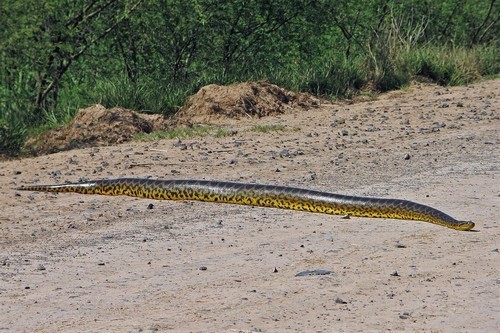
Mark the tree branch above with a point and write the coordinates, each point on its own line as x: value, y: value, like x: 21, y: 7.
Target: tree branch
x: 478, y: 30
x: 66, y: 62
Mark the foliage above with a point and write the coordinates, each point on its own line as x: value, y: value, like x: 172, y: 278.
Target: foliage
x: 12, y: 134
x: 150, y: 55
x: 142, y: 94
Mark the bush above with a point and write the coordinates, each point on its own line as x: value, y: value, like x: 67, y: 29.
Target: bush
x: 12, y: 135
x: 337, y: 79
x: 449, y: 65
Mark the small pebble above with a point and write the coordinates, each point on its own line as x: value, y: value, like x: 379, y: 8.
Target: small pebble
x: 180, y: 145
x: 314, y: 272
x: 404, y: 315
x: 400, y: 245
x: 275, y: 270
x: 203, y: 268
x: 217, y: 224
x: 339, y: 300
x: 395, y: 273
x: 150, y: 206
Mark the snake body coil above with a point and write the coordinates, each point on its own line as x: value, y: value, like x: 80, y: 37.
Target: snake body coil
x: 261, y: 195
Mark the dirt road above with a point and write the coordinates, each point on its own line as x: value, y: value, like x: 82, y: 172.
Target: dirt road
x: 75, y: 263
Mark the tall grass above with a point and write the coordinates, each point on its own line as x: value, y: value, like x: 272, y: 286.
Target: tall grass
x: 452, y: 65
x: 145, y: 95
x: 339, y: 77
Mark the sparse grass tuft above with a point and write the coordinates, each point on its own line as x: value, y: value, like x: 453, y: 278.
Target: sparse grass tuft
x: 267, y: 128
x: 184, y: 133
x: 204, y: 130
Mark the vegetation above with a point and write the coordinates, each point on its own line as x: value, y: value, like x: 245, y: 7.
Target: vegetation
x: 60, y: 55
x: 268, y: 128
x: 185, y: 133
x: 205, y: 130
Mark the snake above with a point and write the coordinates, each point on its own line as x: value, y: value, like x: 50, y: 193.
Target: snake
x: 260, y: 195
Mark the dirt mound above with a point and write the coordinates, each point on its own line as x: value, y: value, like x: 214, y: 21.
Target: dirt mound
x: 95, y: 126
x: 247, y: 99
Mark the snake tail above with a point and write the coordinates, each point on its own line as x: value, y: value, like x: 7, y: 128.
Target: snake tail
x: 263, y: 196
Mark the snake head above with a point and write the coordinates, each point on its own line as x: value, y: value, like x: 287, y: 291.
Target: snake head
x: 465, y: 225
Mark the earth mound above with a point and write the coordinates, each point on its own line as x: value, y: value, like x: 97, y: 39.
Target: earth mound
x: 247, y: 99
x: 95, y: 126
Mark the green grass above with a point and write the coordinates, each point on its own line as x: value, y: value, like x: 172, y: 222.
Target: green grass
x: 184, y: 133
x: 268, y: 128
x: 145, y: 95
x: 204, y: 130
x: 448, y: 66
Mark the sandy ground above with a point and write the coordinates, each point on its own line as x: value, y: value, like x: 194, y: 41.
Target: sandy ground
x: 78, y: 263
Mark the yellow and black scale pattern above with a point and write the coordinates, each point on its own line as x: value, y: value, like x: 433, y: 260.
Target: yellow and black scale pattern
x: 261, y: 195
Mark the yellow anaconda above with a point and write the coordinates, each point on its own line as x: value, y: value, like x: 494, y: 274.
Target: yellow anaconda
x: 261, y: 195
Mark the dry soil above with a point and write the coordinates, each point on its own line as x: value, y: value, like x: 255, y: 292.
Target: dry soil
x: 76, y: 263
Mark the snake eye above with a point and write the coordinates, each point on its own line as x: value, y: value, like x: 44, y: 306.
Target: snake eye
x: 466, y: 225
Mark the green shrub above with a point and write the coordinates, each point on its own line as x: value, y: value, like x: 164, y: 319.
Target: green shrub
x: 452, y: 65
x: 12, y: 135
